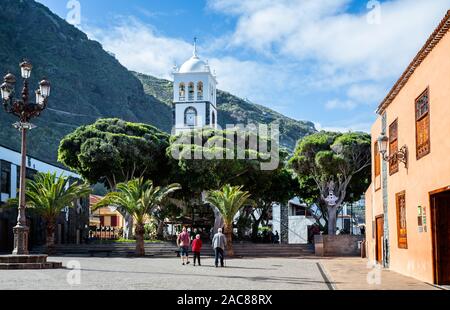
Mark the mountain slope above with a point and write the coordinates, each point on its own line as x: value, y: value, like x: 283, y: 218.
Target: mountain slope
x: 234, y: 110
x: 88, y: 83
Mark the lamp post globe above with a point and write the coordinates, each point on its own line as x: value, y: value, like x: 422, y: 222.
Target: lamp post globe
x: 383, y: 141
x: 7, y: 88
x: 44, y: 87
x: 5, y: 91
x: 25, y: 69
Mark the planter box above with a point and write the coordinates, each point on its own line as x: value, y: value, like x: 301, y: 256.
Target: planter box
x: 341, y: 245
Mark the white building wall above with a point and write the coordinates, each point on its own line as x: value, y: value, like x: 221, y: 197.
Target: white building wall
x: 298, y: 229
x: 276, y: 218
x: 14, y: 159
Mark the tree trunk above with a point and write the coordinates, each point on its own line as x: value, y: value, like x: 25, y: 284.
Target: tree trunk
x: 218, y: 219
x: 128, y: 229
x: 160, y: 231
x: 229, y: 235
x: 140, y: 246
x: 332, y: 219
x: 255, y: 228
x: 50, y: 237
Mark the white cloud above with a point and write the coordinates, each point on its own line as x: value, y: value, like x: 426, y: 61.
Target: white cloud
x: 345, y: 48
x: 323, y: 31
x: 297, y: 47
x: 250, y: 79
x: 138, y: 47
x: 352, y: 127
x: 340, y: 104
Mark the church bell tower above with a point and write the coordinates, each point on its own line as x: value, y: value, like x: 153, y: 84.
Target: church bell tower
x: 194, y: 95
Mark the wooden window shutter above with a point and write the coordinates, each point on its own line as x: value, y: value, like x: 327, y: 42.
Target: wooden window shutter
x: 402, y: 232
x: 393, y: 147
x: 423, y: 125
x: 377, y: 158
x: 114, y: 221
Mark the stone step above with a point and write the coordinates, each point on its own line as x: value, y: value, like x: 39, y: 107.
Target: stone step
x: 175, y: 249
x: 19, y: 266
x: 24, y: 259
x: 169, y: 250
x: 27, y: 262
x: 293, y: 247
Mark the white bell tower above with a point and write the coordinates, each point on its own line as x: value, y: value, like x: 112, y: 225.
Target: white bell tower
x: 194, y: 95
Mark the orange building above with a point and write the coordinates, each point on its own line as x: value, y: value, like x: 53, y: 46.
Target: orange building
x: 408, y: 202
x: 104, y: 217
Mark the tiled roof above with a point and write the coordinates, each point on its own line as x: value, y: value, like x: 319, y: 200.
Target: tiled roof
x: 432, y: 41
x: 93, y: 199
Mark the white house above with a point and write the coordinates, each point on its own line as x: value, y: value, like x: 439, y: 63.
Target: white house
x: 10, y: 168
x: 292, y: 223
x: 194, y: 95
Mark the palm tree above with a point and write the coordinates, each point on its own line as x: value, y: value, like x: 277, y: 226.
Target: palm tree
x: 228, y: 201
x: 138, y: 198
x: 48, y: 195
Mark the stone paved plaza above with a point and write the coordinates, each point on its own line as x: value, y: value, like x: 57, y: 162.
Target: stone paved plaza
x: 154, y: 273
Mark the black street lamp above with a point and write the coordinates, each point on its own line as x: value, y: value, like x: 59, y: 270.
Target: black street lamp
x: 25, y: 111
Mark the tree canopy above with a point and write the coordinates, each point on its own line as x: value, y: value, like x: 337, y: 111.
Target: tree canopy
x: 208, y: 159
x: 329, y: 162
x: 114, y: 151
x: 212, y: 158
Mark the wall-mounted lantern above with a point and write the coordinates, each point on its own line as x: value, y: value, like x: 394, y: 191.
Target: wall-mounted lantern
x: 399, y: 156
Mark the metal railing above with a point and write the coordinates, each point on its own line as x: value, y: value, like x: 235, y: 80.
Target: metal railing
x: 104, y: 233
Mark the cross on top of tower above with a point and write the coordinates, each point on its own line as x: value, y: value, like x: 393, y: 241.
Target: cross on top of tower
x: 195, y: 47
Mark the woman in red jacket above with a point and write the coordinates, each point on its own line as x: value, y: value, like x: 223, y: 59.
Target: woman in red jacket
x: 196, y: 248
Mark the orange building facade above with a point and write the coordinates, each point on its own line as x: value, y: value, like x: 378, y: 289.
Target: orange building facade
x: 104, y: 217
x: 408, y: 202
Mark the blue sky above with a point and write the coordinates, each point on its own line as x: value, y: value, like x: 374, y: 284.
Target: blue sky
x: 327, y: 61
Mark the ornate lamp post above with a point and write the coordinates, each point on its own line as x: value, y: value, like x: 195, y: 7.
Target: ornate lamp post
x: 25, y: 111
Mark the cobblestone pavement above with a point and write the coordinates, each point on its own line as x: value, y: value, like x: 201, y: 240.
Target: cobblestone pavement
x: 154, y: 273
x: 357, y: 274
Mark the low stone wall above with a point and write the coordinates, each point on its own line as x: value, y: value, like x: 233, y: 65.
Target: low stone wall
x: 341, y: 245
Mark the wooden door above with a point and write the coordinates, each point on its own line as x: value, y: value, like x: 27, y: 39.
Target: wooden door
x: 441, y: 228
x: 379, y: 239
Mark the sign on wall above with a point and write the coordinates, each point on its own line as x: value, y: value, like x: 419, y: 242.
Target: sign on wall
x: 422, y: 219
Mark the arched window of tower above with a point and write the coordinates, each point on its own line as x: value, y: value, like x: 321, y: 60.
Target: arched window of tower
x: 200, y: 91
x: 182, y: 93
x: 191, y: 91
x: 190, y: 117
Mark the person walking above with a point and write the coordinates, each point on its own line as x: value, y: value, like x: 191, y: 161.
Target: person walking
x: 183, y: 242
x: 276, y: 238
x: 196, y: 248
x: 219, y: 243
